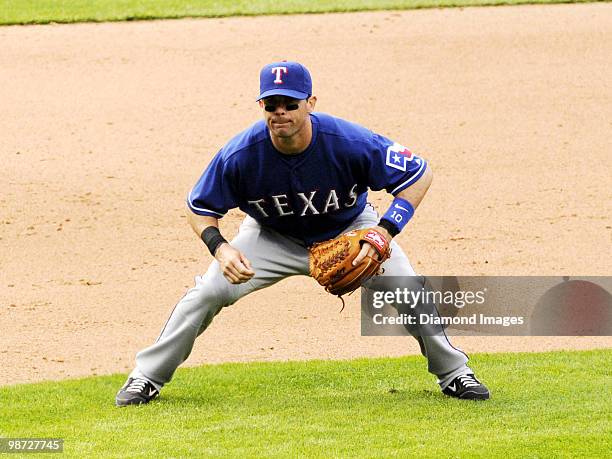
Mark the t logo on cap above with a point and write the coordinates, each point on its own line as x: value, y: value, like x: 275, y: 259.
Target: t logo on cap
x: 290, y: 79
x: 279, y: 71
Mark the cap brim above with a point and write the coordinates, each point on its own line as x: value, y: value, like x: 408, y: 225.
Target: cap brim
x: 283, y: 92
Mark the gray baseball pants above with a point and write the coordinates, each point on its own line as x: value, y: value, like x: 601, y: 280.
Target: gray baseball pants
x: 273, y: 258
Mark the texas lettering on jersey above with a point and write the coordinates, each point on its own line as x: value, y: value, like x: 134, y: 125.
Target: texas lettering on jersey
x: 281, y: 204
x: 312, y: 196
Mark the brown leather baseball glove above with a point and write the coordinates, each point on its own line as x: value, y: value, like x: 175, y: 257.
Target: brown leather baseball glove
x: 331, y: 262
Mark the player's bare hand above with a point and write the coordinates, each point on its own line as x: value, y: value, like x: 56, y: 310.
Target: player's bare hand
x: 368, y: 250
x: 233, y: 264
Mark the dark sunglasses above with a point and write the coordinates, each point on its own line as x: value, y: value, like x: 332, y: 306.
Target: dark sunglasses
x: 289, y: 107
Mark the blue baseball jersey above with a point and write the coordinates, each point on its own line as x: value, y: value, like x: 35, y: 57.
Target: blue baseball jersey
x: 311, y: 196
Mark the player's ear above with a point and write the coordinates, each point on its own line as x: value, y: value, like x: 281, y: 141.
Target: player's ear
x: 261, y: 103
x: 310, y: 103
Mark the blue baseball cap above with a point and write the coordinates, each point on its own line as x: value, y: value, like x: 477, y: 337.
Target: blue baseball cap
x: 285, y: 78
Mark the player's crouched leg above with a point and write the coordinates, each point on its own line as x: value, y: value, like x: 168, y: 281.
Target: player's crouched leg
x: 449, y: 364
x: 444, y: 360
x: 156, y: 364
x: 190, y: 317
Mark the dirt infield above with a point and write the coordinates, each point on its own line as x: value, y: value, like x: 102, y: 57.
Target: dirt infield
x: 105, y: 127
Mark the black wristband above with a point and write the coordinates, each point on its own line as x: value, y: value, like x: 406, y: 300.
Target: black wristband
x: 390, y: 227
x: 212, y: 238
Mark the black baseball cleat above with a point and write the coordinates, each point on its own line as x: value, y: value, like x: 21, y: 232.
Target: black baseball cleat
x: 136, y: 391
x: 467, y: 387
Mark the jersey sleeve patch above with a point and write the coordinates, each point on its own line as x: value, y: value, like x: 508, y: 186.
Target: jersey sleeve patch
x: 398, y: 157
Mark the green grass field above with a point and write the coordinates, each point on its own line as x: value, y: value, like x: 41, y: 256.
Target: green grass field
x: 544, y: 405
x: 45, y: 11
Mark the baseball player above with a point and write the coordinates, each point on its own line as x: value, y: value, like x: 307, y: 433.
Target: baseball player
x: 300, y: 177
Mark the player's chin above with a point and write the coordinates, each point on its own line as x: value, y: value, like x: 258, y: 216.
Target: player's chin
x: 282, y: 131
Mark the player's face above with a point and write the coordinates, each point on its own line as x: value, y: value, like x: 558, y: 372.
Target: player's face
x: 285, y: 116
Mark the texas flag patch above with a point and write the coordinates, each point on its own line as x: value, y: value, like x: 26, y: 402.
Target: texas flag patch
x: 398, y: 156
